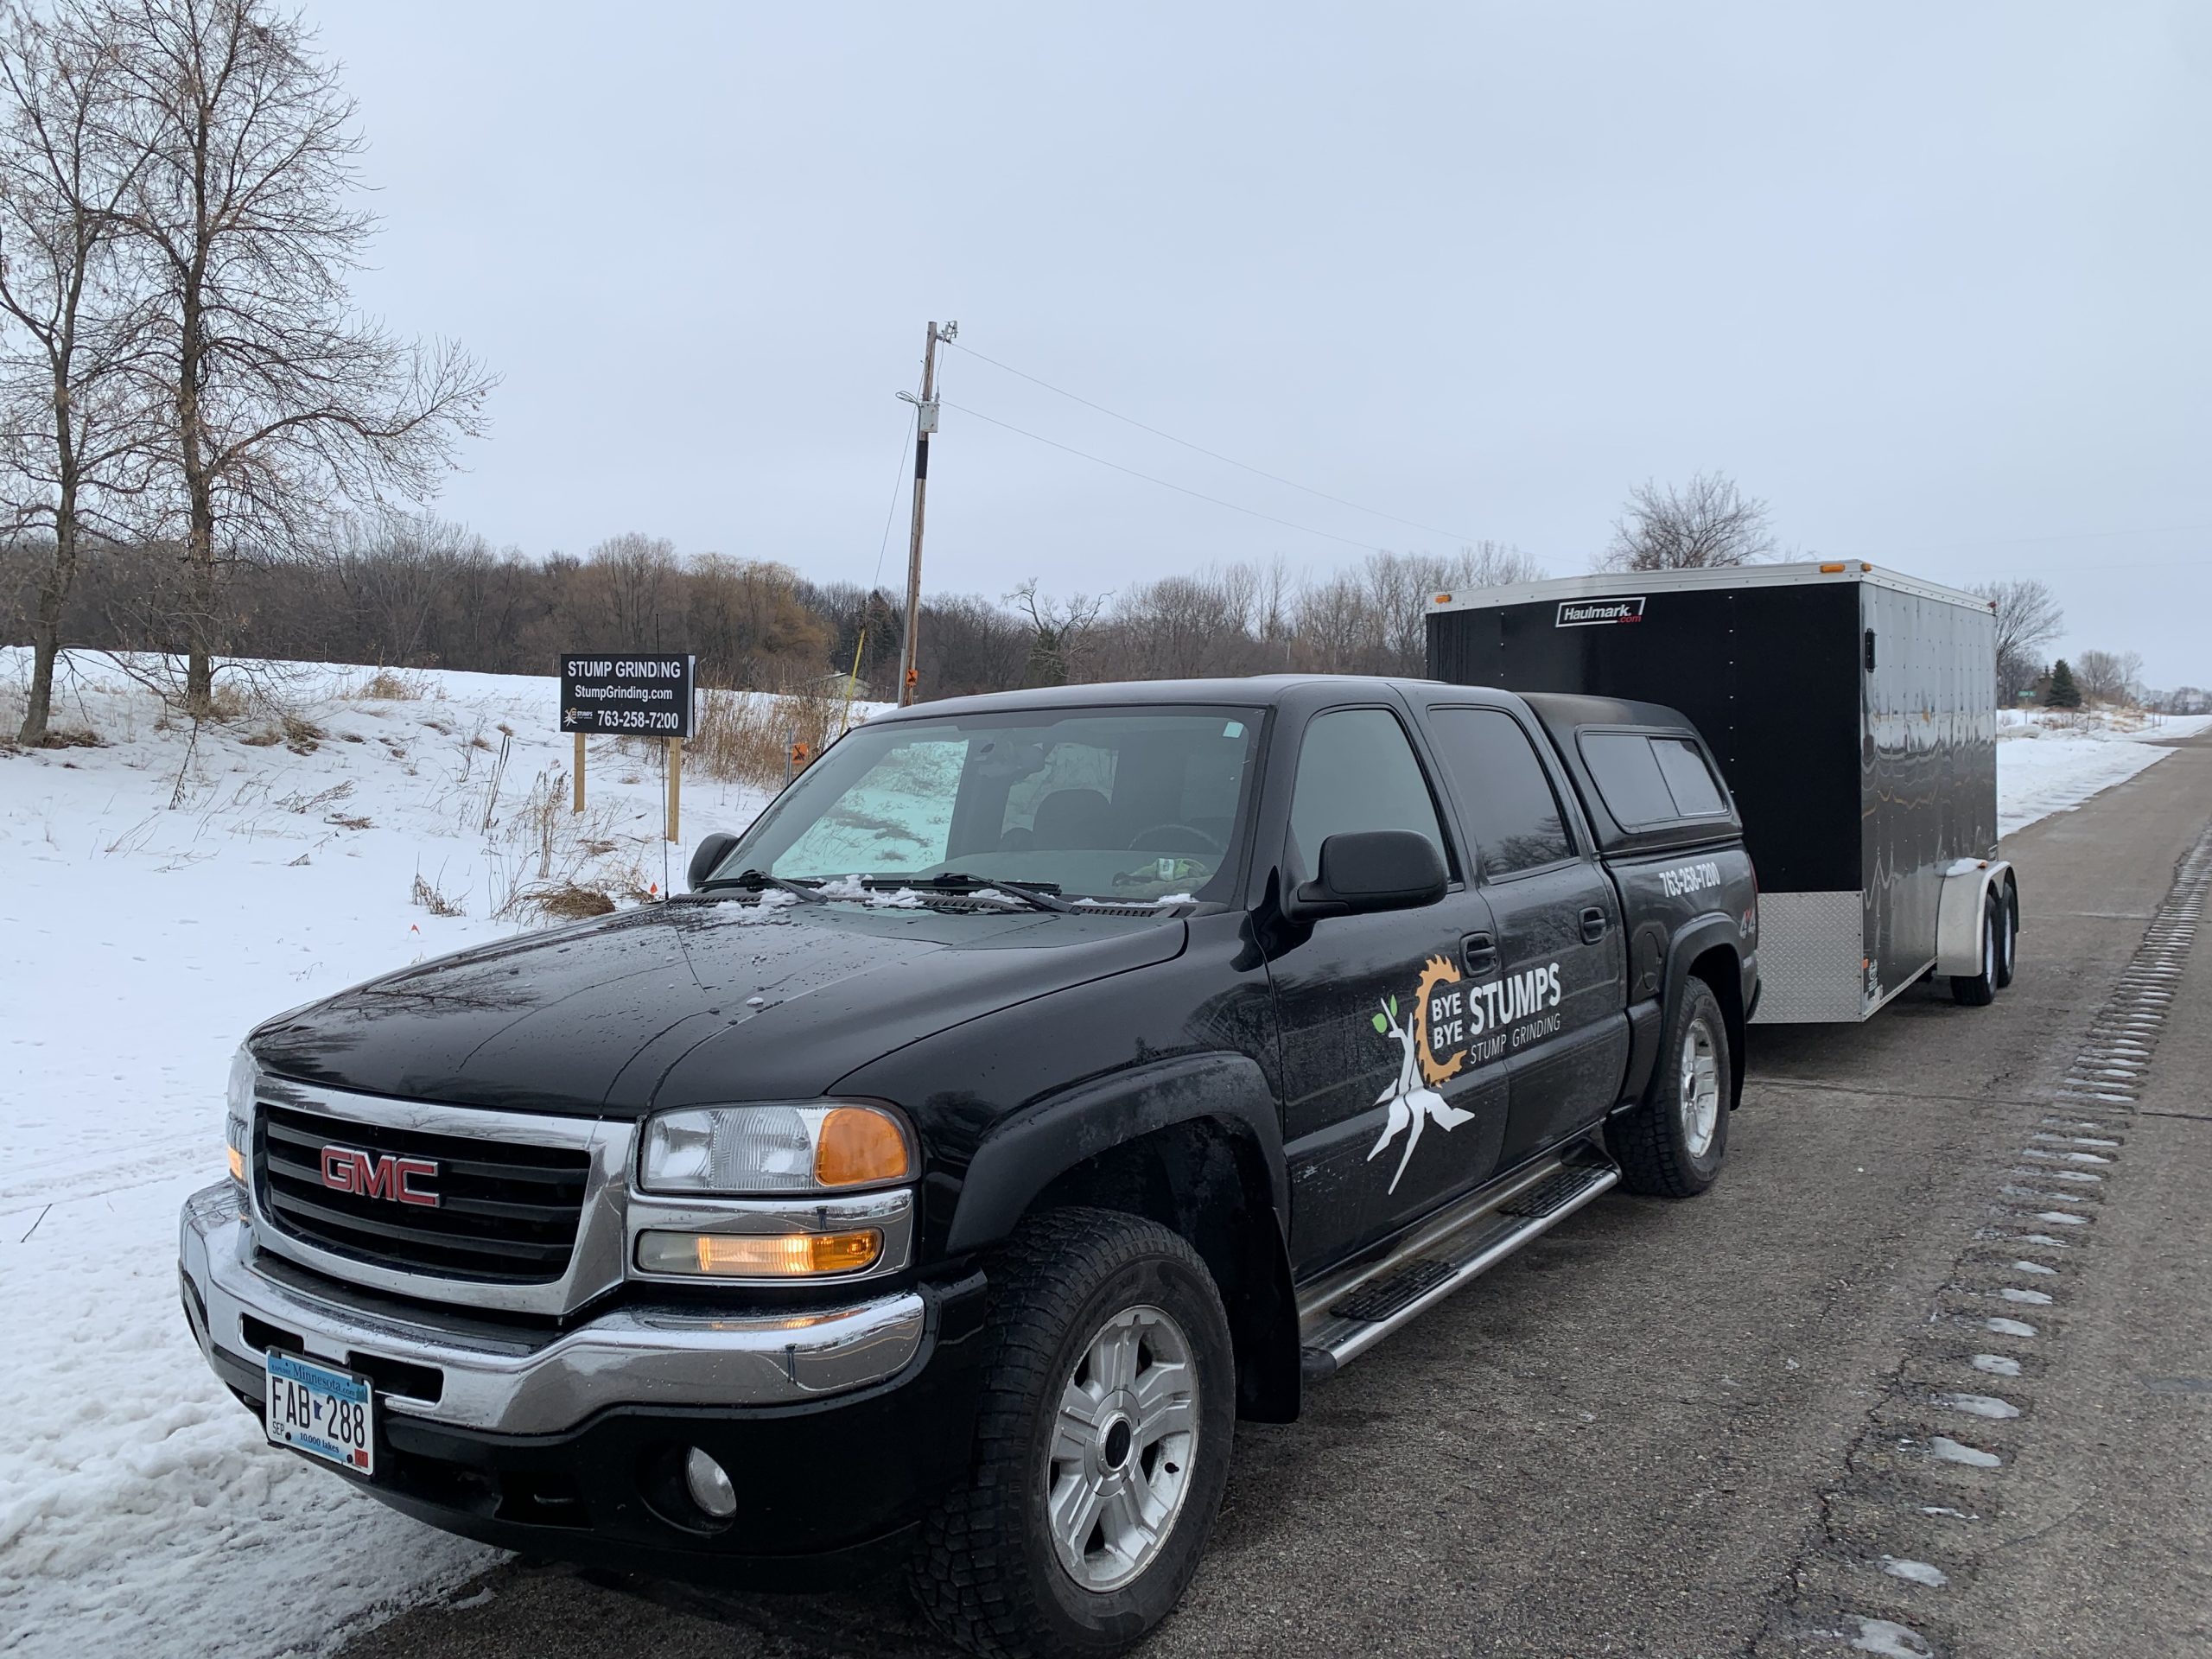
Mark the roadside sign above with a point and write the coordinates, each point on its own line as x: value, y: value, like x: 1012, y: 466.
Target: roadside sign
x: 647, y: 696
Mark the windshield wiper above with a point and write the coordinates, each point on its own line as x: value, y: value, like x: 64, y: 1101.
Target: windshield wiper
x: 754, y: 881
x: 1040, y: 895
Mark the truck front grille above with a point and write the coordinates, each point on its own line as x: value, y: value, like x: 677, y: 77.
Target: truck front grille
x: 506, y: 1212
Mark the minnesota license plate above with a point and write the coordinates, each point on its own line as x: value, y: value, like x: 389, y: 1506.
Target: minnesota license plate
x: 321, y: 1410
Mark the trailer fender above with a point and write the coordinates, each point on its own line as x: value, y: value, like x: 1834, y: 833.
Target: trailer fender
x: 1967, y: 887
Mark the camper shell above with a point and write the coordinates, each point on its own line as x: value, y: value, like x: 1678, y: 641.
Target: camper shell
x: 1852, y: 710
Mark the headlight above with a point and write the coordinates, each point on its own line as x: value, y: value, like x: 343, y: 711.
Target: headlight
x: 759, y: 1151
x: 238, y: 1113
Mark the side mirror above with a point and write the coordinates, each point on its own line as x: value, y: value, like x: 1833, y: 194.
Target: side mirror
x: 1373, y: 870
x: 711, y: 852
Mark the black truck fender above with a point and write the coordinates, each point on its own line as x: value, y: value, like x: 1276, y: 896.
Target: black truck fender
x: 1194, y: 1141
x: 1692, y: 942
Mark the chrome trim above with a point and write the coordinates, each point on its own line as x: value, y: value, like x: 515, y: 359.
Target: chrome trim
x: 596, y: 1264
x: 544, y: 1381
x: 892, y: 1213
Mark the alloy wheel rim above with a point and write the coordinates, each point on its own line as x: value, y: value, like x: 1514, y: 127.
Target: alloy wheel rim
x: 1700, y: 1089
x: 1118, y: 1467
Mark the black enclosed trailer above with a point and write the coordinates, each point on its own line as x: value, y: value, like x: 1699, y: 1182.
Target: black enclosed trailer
x: 1853, y: 711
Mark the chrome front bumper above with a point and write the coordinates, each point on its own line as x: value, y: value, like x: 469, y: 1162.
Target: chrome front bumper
x: 529, y: 1382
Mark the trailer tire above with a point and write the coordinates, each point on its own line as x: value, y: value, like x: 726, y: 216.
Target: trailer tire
x: 1669, y: 1145
x: 1980, y: 990
x: 1084, y: 1304
x: 2008, y: 941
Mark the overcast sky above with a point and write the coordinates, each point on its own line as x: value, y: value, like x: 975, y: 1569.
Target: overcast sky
x: 1934, y: 282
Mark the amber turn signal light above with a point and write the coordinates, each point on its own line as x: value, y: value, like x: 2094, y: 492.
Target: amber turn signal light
x: 759, y: 1255
x: 238, y: 1165
x: 861, y: 1146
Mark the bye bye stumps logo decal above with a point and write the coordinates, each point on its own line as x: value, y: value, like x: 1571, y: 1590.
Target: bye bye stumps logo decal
x: 1452, y: 1024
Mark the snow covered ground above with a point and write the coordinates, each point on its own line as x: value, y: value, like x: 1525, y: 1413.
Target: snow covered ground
x: 158, y: 898
x: 160, y: 895
x: 2049, y: 762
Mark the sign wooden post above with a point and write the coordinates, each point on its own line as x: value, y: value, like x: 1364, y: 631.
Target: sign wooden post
x: 675, y: 788
x: 580, y: 771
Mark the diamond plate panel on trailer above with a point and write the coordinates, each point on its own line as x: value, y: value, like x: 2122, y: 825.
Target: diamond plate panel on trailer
x: 1812, y: 952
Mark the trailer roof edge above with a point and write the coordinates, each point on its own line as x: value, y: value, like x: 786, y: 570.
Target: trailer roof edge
x: 1610, y: 584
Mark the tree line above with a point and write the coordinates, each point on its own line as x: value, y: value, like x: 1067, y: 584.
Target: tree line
x: 412, y: 590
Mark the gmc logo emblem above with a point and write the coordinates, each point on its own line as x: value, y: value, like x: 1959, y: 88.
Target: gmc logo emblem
x: 347, y: 1170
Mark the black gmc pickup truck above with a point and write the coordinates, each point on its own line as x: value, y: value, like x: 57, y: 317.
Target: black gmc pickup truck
x: 1041, y: 1082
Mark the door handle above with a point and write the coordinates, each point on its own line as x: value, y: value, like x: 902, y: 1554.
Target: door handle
x: 1479, y: 952
x: 1594, y: 924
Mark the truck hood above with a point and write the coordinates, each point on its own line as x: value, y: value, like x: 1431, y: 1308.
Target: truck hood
x: 684, y: 1003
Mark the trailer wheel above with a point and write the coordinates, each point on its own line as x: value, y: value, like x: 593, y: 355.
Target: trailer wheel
x: 1980, y: 990
x: 1669, y: 1145
x: 2008, y: 941
x: 1109, y: 1406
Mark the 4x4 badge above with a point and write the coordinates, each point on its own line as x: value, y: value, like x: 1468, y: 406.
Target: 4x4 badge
x: 1413, y: 1103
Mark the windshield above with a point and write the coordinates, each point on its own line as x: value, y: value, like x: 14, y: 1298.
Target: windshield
x: 1120, y: 806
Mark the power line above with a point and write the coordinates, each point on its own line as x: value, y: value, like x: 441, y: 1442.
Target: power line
x: 892, y: 512
x: 1254, y: 513
x: 1212, y: 455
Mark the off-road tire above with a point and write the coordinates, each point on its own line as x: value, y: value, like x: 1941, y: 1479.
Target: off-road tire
x: 1650, y: 1141
x: 1978, y: 990
x: 985, y: 1570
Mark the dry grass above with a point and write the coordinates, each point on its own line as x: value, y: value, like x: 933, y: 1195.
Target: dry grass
x: 747, y: 738
x: 560, y: 901
x: 427, y: 895
x: 390, y: 686
x: 70, y: 737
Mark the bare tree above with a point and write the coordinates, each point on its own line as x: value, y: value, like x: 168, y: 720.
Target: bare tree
x: 74, y: 433
x: 1706, y: 524
x: 2028, y: 619
x: 2108, y: 676
x: 640, y: 578
x: 1059, y: 628
x: 280, y: 402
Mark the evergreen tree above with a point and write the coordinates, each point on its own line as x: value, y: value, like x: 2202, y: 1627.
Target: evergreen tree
x: 2064, y: 694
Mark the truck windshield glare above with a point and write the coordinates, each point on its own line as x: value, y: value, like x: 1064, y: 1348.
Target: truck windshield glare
x: 1126, y: 805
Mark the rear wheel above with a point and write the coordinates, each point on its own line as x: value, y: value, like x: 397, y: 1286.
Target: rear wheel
x: 1978, y: 990
x: 1670, y: 1144
x: 2008, y: 942
x: 1103, y: 1443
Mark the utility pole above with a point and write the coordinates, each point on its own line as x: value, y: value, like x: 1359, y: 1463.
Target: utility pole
x: 924, y: 423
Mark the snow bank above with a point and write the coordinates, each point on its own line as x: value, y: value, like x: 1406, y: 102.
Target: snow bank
x: 2048, y: 762
x: 160, y: 895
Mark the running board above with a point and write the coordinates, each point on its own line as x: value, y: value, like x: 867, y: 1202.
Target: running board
x: 1349, y: 1312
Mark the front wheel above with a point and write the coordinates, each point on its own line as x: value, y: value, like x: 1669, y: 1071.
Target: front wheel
x: 1101, y: 1444
x: 1670, y: 1144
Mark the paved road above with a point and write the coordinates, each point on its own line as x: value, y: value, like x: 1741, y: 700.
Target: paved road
x: 1713, y: 1428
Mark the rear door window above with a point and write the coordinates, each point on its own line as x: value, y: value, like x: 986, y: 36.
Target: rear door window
x: 1510, y: 807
